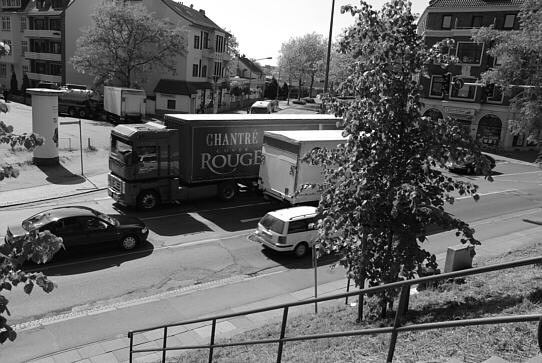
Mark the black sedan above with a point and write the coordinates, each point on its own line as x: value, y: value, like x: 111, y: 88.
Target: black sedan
x: 83, y: 227
x: 469, y: 166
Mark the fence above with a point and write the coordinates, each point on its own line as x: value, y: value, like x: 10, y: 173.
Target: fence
x: 394, y: 330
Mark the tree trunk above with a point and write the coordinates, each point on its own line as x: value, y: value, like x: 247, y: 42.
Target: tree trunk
x: 539, y: 156
x: 312, y: 84
x: 299, y: 90
x: 289, y: 83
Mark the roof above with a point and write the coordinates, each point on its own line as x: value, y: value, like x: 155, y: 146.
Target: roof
x: 473, y: 3
x: 290, y: 213
x: 254, y: 67
x: 308, y: 135
x: 194, y: 16
x: 178, y: 87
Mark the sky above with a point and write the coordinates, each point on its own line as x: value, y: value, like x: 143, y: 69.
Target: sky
x: 261, y: 26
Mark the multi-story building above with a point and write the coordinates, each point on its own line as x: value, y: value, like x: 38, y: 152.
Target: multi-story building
x: 43, y: 37
x: 485, y: 111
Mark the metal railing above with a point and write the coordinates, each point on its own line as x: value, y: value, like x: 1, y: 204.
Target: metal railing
x: 394, y: 330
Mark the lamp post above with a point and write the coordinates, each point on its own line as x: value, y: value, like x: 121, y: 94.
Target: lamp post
x: 329, y: 46
x: 250, y: 76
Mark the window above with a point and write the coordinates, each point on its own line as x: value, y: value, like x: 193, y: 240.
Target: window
x: 194, y: 70
x: 469, y: 53
x: 446, y: 22
x: 171, y: 105
x: 496, y: 96
x: 476, y: 21
x: 56, y: 69
x: 56, y: 48
x: 6, y: 23
x: 23, y: 23
x: 465, y: 92
x: 436, y: 86
x: 55, y: 24
x: 218, y: 69
x: 11, y: 3
x: 204, y: 71
x: 39, y: 24
x: 24, y: 46
x: 509, y: 20
x: 205, y: 40
x: 8, y: 43
x: 3, y: 69
x: 219, y: 44
x: 518, y: 140
x: 25, y: 68
x: 196, y: 42
x: 57, y: 4
x: 299, y: 226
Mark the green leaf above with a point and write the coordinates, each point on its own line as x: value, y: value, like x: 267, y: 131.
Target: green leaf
x: 28, y: 287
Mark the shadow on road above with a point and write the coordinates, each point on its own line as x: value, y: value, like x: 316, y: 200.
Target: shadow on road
x: 58, y: 174
x: 290, y: 261
x: 87, y: 260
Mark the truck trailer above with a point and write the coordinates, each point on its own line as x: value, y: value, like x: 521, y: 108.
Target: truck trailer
x: 282, y: 171
x: 123, y: 104
x: 78, y: 102
x: 194, y: 156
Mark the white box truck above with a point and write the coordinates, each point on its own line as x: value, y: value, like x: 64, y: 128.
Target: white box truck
x: 123, y: 104
x: 282, y: 171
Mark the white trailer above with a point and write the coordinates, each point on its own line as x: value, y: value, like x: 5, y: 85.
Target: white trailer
x: 123, y: 104
x: 282, y: 172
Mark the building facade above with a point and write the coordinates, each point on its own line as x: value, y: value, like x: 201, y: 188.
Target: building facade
x: 485, y: 111
x: 43, y: 38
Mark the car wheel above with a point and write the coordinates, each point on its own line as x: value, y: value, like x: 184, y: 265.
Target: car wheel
x: 148, y: 200
x: 128, y: 243
x: 227, y: 191
x: 301, y: 249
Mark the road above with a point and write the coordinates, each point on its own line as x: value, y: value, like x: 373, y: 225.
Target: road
x: 205, y: 241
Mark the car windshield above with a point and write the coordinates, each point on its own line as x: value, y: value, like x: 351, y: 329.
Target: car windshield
x: 37, y: 221
x: 106, y: 218
x: 272, y: 223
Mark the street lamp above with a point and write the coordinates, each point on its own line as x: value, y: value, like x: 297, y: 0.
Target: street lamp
x: 329, y: 47
x: 250, y: 76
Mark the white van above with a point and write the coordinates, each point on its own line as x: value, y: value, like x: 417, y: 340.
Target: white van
x: 261, y: 107
x: 290, y: 229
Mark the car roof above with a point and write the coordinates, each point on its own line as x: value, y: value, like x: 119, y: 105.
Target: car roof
x: 71, y: 211
x: 288, y: 214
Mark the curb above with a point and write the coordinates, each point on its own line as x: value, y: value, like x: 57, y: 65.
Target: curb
x: 18, y: 203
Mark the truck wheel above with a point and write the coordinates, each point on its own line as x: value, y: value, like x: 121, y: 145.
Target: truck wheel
x: 83, y: 113
x: 148, y: 200
x: 71, y: 112
x: 301, y: 249
x: 227, y: 191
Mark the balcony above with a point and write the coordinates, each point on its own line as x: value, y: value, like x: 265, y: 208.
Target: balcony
x: 208, y: 53
x: 43, y: 56
x: 43, y: 33
x: 44, y: 77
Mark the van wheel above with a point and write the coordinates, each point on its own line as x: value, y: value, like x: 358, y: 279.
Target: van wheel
x: 301, y: 249
x: 148, y: 200
x: 227, y: 191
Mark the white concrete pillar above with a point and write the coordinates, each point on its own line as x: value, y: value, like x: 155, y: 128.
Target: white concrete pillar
x: 45, y: 123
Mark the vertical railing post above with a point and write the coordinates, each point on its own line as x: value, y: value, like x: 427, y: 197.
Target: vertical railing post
x: 403, y: 300
x: 213, y: 328
x: 131, y: 336
x: 164, y: 345
x: 540, y: 334
x: 282, y: 333
x: 360, y: 301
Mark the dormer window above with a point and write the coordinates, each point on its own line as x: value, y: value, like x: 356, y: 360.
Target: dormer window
x: 446, y: 22
x: 509, y: 20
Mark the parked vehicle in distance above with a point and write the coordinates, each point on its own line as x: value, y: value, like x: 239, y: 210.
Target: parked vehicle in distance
x: 194, y: 155
x: 468, y: 165
x: 261, y: 107
x: 82, y: 227
x: 123, y: 104
x: 78, y: 102
x: 274, y: 104
x: 283, y: 172
x: 288, y: 230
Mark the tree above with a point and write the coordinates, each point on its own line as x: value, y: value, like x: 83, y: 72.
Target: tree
x: 519, y: 73
x: 26, y: 83
x: 271, y: 90
x: 339, y: 66
x: 125, y: 42
x: 14, y: 87
x: 291, y: 60
x: 233, y: 52
x: 36, y: 246
x: 314, y: 50
x: 383, y: 188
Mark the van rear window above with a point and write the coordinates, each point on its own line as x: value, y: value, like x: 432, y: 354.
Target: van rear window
x: 273, y: 224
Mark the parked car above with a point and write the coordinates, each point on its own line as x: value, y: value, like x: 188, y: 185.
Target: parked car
x: 261, y: 107
x: 274, y: 105
x: 82, y: 227
x: 291, y: 229
x: 468, y: 164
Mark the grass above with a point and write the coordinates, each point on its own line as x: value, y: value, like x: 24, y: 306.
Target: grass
x: 507, y: 292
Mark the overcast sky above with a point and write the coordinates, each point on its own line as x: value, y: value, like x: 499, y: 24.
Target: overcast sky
x: 262, y: 26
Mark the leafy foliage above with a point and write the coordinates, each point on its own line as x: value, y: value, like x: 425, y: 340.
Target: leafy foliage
x: 126, y: 42
x: 519, y: 72
x: 36, y: 246
x: 384, y: 188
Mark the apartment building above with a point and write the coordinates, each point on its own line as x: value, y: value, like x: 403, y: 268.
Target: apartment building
x: 485, y: 112
x: 43, y: 36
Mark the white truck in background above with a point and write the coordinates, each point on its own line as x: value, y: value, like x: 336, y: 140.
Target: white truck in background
x: 282, y: 171
x: 123, y: 104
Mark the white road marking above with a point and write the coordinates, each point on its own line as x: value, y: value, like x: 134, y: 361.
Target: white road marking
x: 491, y: 193
x: 204, y: 210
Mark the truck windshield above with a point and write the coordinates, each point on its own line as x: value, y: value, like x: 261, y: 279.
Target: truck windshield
x: 121, y: 150
x: 272, y: 223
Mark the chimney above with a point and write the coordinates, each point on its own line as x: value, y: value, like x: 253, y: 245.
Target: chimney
x: 191, y: 6
x: 202, y: 12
